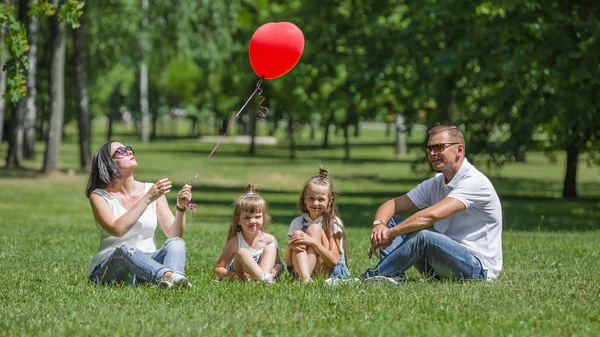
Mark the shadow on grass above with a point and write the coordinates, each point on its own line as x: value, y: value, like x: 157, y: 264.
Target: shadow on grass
x: 521, y: 213
x: 28, y: 173
x: 282, y: 155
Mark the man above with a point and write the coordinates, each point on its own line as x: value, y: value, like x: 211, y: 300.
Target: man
x: 457, y: 234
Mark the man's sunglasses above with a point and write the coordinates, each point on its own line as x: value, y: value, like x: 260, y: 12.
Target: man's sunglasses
x: 438, y: 148
x: 122, y: 152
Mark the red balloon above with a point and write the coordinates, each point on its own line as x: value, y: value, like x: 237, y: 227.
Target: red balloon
x: 275, y: 48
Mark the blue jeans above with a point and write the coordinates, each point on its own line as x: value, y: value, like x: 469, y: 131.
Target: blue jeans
x: 383, y: 253
x: 431, y: 253
x: 340, y: 270
x: 129, y: 265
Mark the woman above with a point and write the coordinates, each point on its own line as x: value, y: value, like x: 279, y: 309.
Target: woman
x: 126, y: 213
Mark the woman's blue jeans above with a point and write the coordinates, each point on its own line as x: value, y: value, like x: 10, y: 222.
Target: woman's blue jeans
x: 129, y: 265
x: 430, y: 252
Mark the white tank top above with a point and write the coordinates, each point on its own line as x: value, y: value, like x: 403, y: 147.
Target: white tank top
x: 141, y: 235
x: 255, y: 252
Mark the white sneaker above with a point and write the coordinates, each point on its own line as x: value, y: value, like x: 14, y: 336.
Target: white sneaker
x: 381, y: 279
x: 175, y: 281
x: 179, y: 281
x: 332, y: 281
x: 267, y: 278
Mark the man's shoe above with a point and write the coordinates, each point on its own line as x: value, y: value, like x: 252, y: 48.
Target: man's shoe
x: 337, y: 281
x: 382, y: 279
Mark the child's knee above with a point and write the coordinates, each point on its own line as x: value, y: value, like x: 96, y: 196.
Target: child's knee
x: 269, y: 249
x: 243, y: 252
x: 314, y: 229
x: 298, y: 232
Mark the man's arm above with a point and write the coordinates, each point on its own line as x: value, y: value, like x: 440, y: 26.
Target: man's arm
x: 386, y: 211
x: 427, y: 217
x: 422, y: 219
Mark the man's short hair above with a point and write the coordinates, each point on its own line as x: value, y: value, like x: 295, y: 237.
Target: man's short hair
x: 453, y: 131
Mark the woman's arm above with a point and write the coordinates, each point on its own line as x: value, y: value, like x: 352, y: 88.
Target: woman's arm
x: 105, y: 218
x: 119, y: 227
x: 173, y: 226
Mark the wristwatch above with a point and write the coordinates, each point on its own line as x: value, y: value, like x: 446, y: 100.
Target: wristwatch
x: 378, y: 222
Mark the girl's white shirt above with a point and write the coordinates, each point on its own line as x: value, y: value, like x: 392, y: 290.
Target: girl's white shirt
x: 304, y: 220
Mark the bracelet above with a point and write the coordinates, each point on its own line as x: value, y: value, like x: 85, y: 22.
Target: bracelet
x: 180, y: 209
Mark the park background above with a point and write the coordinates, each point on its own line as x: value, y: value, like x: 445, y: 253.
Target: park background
x: 519, y: 78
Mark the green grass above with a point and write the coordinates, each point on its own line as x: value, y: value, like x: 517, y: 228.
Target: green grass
x: 550, y: 284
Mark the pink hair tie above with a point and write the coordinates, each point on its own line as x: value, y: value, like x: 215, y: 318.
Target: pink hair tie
x: 192, y: 207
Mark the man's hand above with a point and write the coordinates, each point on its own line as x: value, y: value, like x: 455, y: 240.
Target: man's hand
x: 373, y: 252
x: 379, y: 235
x: 383, y: 245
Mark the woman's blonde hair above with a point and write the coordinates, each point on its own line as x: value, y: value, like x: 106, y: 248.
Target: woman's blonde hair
x: 248, y: 202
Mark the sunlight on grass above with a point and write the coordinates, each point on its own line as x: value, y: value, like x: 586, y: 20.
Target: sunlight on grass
x: 549, y: 285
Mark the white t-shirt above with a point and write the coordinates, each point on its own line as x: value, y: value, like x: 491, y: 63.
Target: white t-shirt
x: 141, y: 235
x: 305, y: 220
x: 479, y: 226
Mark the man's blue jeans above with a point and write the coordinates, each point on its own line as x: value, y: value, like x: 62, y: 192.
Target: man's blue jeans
x: 430, y: 252
x: 129, y: 265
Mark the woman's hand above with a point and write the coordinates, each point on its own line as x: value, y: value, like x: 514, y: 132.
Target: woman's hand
x: 159, y: 189
x: 302, y: 239
x: 184, y: 196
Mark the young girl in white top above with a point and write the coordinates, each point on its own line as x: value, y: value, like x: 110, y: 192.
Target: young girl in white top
x: 317, y: 244
x: 250, y: 253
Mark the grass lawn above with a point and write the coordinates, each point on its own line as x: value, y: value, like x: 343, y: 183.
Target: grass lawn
x: 550, y: 284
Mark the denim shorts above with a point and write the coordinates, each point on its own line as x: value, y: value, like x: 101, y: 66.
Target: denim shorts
x: 339, y: 271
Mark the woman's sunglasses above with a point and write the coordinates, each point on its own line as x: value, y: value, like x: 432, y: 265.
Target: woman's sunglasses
x: 438, y: 148
x: 121, y: 152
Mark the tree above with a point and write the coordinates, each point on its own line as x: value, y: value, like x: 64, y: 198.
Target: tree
x: 26, y: 106
x: 57, y: 89
x: 144, y: 75
x: 17, y: 63
x: 2, y: 82
x: 82, y: 97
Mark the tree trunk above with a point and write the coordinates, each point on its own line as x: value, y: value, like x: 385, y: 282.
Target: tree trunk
x: 111, y: 118
x: 14, y: 156
x: 81, y: 92
x: 400, y: 137
x: 154, y: 123
x: 346, y: 142
x: 29, y: 101
x: 291, y: 135
x: 388, y: 129
x: 224, y: 125
x: 520, y: 154
x: 115, y: 104
x: 328, y: 123
x: 570, y: 184
x: 357, y: 128
x: 2, y: 83
x: 144, y: 105
x: 57, y: 94
x: 252, y: 124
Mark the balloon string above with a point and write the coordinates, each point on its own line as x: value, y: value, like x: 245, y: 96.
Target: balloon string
x: 262, y: 110
x: 191, y: 205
